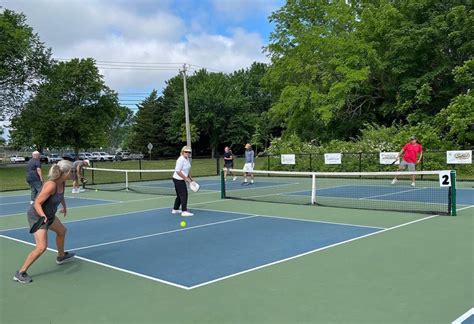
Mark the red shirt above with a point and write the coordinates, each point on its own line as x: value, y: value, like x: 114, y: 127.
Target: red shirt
x: 411, y: 152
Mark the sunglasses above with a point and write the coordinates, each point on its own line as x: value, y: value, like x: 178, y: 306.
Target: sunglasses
x: 187, y: 151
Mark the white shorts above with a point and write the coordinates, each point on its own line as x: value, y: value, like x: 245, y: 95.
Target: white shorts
x: 248, y: 167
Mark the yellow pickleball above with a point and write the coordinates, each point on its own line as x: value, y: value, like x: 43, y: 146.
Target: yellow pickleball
x: 183, y: 224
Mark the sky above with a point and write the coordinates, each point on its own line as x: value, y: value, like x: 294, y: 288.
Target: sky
x: 155, y: 37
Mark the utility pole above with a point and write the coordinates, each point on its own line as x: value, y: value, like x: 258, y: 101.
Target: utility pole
x: 186, y: 108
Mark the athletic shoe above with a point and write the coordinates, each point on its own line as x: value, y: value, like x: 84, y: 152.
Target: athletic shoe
x: 251, y: 181
x: 75, y: 191
x: 67, y: 256
x: 81, y: 190
x: 22, y: 277
x: 394, y: 181
x: 186, y: 214
x: 175, y: 211
x: 235, y: 178
x: 31, y: 202
x: 412, y: 184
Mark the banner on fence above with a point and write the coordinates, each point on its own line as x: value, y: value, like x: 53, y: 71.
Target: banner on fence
x: 459, y: 157
x: 288, y: 159
x: 389, y: 158
x: 332, y: 158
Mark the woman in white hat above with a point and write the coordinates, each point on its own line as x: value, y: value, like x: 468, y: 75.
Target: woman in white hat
x: 182, y: 175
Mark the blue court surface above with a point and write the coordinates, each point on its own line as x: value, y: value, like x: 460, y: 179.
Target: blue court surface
x: 215, y: 185
x: 10, y: 205
x: 213, y: 245
x: 391, y: 193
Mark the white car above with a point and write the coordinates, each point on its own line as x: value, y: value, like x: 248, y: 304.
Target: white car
x: 102, y: 156
x: 54, y: 158
x: 16, y: 158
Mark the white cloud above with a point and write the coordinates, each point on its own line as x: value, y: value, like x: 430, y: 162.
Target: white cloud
x: 240, y: 9
x: 147, y: 32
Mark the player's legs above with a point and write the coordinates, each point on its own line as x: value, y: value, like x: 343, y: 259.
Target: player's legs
x: 402, y: 167
x: 60, y: 231
x: 41, y: 239
x: 412, y: 167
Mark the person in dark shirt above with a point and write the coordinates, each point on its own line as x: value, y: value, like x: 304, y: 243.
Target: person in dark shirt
x: 46, y: 206
x: 34, y: 175
x: 228, y: 163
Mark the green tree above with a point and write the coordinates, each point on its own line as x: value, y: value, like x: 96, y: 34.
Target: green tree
x: 339, y: 65
x: 150, y: 124
x: 120, y: 128
x: 24, y: 61
x: 73, y: 108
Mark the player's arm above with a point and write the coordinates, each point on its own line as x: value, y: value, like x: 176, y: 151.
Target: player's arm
x: 400, y: 154
x: 63, y: 210
x: 48, y: 190
x: 79, y: 173
x: 182, y: 175
x: 420, y: 157
x: 40, y: 173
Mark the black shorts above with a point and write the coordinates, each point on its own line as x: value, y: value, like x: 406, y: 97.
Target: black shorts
x: 228, y: 165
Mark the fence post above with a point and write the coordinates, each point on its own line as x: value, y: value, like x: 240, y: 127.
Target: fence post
x: 360, y: 161
x: 140, y: 167
x: 217, y: 164
x: 310, y: 162
x: 268, y: 162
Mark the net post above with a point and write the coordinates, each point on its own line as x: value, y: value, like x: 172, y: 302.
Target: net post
x: 217, y: 157
x: 453, y: 193
x: 313, y: 189
x: 139, y: 167
x: 126, y: 180
x: 222, y: 184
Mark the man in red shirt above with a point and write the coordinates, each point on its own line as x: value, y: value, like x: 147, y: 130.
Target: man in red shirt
x: 412, y: 154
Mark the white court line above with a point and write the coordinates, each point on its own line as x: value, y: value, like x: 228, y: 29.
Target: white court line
x: 107, y: 265
x: 288, y: 218
x: 158, y: 197
x: 235, y: 274
x: 463, y: 317
x: 160, y: 233
x: 249, y: 187
x: 115, y: 215
x: 68, y: 197
x: 392, y: 193
x: 316, y: 250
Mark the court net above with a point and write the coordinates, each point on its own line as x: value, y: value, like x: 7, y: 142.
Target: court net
x: 433, y: 191
x: 143, y: 181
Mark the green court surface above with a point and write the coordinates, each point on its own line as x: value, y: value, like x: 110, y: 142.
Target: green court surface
x: 417, y: 270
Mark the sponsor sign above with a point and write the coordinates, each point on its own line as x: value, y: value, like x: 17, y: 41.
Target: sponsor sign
x: 332, y: 158
x: 459, y: 157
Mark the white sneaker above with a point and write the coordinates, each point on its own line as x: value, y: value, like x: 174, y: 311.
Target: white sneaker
x: 186, y: 214
x: 175, y: 211
x: 251, y: 181
x: 31, y: 202
x: 81, y: 190
x: 235, y: 178
x: 412, y: 184
x: 74, y: 191
x: 394, y: 181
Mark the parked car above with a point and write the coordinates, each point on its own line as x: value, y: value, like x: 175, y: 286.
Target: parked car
x: 102, y: 156
x: 17, y: 159
x: 85, y: 156
x: 43, y: 158
x: 54, y: 158
x: 122, y: 156
x: 69, y: 156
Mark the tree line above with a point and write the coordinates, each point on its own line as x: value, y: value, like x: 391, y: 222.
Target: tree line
x: 343, y: 74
